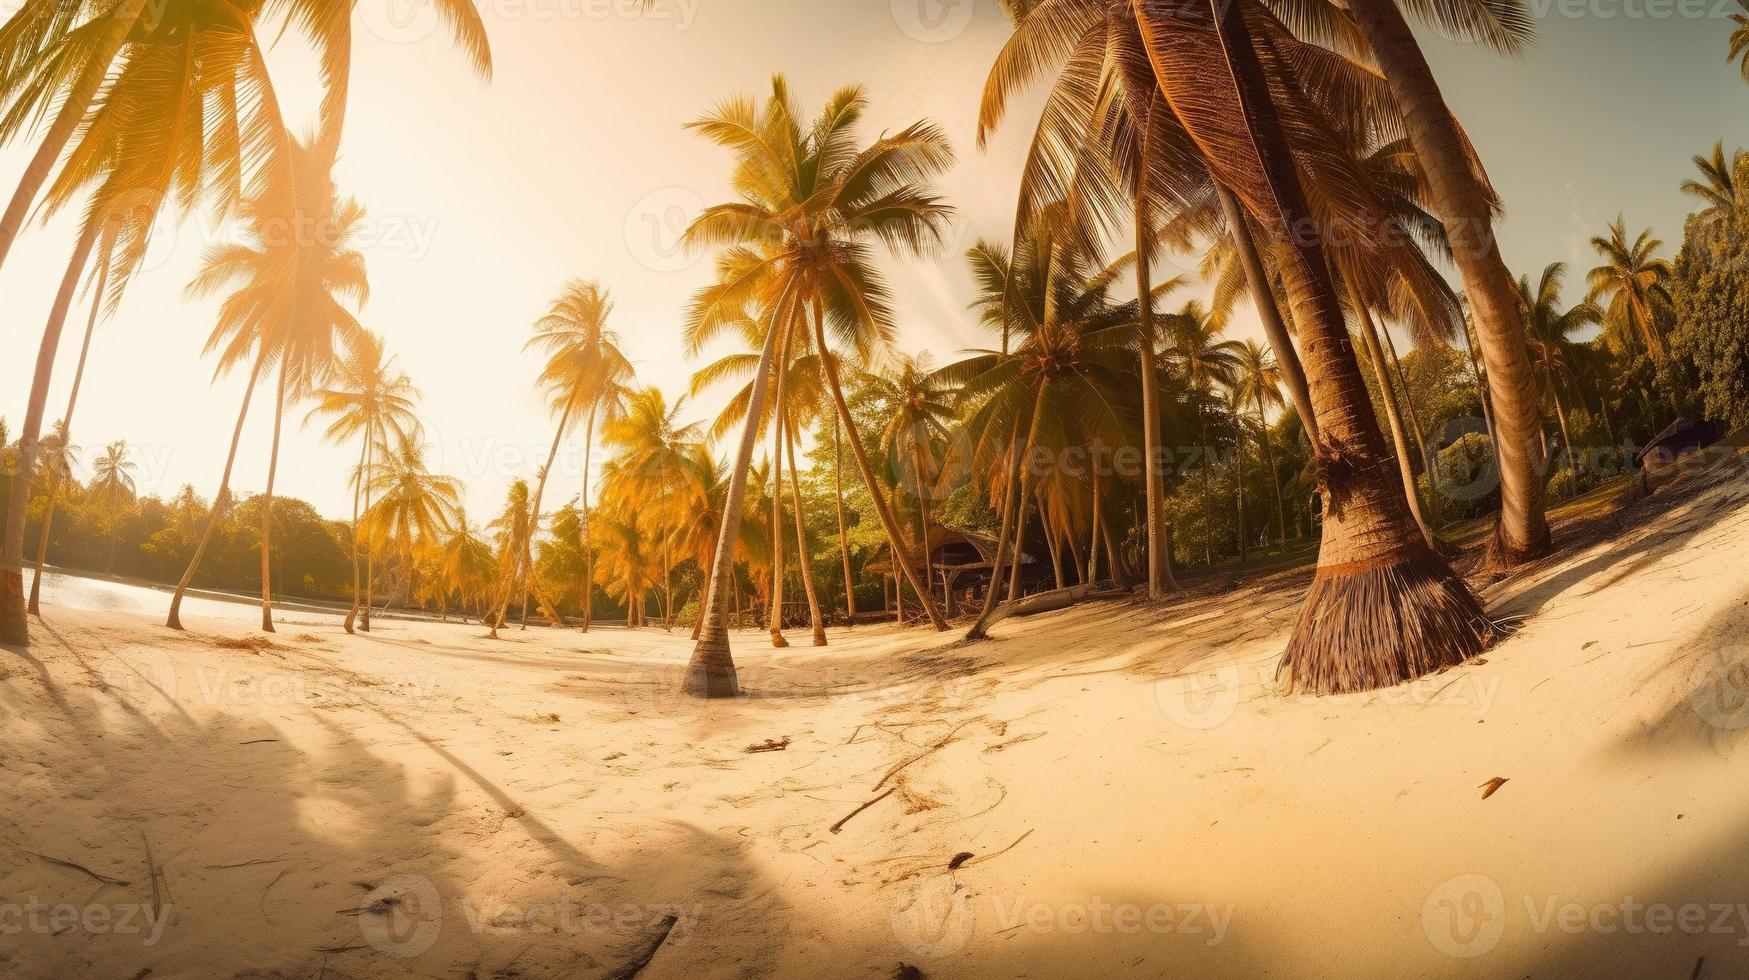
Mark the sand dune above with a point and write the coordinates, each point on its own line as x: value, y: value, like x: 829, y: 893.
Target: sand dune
x: 1114, y: 789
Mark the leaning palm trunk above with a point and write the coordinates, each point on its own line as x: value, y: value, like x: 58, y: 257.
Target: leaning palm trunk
x: 1458, y: 197
x: 882, y: 509
x: 1154, y: 497
x: 802, y: 556
x: 1428, y: 463
x: 587, y: 597
x: 357, y: 531
x: 54, y: 489
x: 1274, y: 474
x: 13, y: 627
x: 540, y: 489
x: 221, y: 500
x: 776, y: 623
x: 67, y: 120
x: 1382, y: 607
x: 267, y: 508
x: 923, y: 509
x: 1275, y: 330
x: 1013, y: 491
x: 1566, y: 440
x: 711, y: 672
x: 1369, y: 335
x: 843, y: 542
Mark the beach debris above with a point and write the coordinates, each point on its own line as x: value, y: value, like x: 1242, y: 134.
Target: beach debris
x: 966, y: 860
x: 1492, y: 786
x: 769, y: 745
x: 959, y: 859
x: 937, y: 746
x: 76, y: 866
x: 636, y: 966
x: 907, y: 972
x: 835, y: 828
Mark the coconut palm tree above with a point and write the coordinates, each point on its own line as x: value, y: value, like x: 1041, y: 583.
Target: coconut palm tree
x: 1206, y: 364
x: 1256, y: 386
x: 586, y: 376
x: 922, y: 405
x: 1717, y: 188
x: 510, y: 530
x: 55, y: 461
x: 1740, y: 41
x: 367, y: 400
x: 1550, y: 328
x: 800, y: 241
x: 1462, y: 199
x: 414, y: 506
x: 651, y: 471
x: 112, y: 483
x: 461, y: 568
x: 287, y: 308
x: 1382, y: 606
x: 1631, y: 285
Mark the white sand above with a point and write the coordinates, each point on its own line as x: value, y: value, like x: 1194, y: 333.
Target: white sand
x: 1135, y: 797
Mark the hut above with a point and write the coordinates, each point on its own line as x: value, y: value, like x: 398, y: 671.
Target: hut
x: 958, y: 560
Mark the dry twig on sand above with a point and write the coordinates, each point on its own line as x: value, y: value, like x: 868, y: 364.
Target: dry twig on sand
x: 769, y: 745
x: 835, y: 828
x: 937, y: 746
x: 76, y: 866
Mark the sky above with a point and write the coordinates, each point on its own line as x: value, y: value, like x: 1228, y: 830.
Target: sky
x: 485, y: 197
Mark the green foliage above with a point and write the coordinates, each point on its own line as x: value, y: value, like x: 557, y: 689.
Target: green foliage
x: 1711, y: 291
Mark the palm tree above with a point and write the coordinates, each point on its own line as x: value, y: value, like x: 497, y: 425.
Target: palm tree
x: 651, y: 471
x: 510, y: 531
x: 1549, y: 328
x: 367, y: 400
x: 112, y: 482
x: 1740, y: 41
x: 1205, y: 363
x: 1257, y: 385
x: 287, y: 307
x: 1463, y: 200
x: 463, y: 567
x: 1382, y: 607
x: 587, y: 375
x: 55, y: 461
x: 1062, y: 383
x: 799, y: 246
x: 922, y: 407
x: 1717, y: 188
x: 1631, y: 286
x: 414, y: 506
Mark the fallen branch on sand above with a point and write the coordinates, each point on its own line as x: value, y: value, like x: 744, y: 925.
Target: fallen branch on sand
x: 969, y: 860
x: 933, y: 748
x: 769, y: 745
x: 1045, y: 602
x: 636, y: 966
x: 76, y: 866
x: 835, y: 828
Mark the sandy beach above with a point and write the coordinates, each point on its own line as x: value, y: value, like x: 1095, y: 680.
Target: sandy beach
x: 1116, y: 788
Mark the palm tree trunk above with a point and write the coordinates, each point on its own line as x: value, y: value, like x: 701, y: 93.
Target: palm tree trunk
x: 922, y: 508
x: 13, y: 627
x: 1014, y: 491
x: 1239, y: 483
x: 882, y: 509
x: 1461, y: 202
x: 267, y: 508
x: 221, y: 500
x: 776, y: 623
x: 1566, y: 439
x: 1428, y: 464
x: 1287, y: 359
x: 802, y: 557
x: 1051, y: 544
x: 1484, y: 395
x: 1369, y: 335
x: 1114, y: 558
x: 711, y: 671
x: 357, y: 494
x: 588, y: 596
x: 1093, y: 535
x: 370, y: 545
x: 54, y: 489
x: 1274, y: 474
x: 843, y: 542
x: 1155, y: 496
x: 1382, y: 607
x: 1208, y: 514
x: 67, y: 120
x: 540, y: 489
